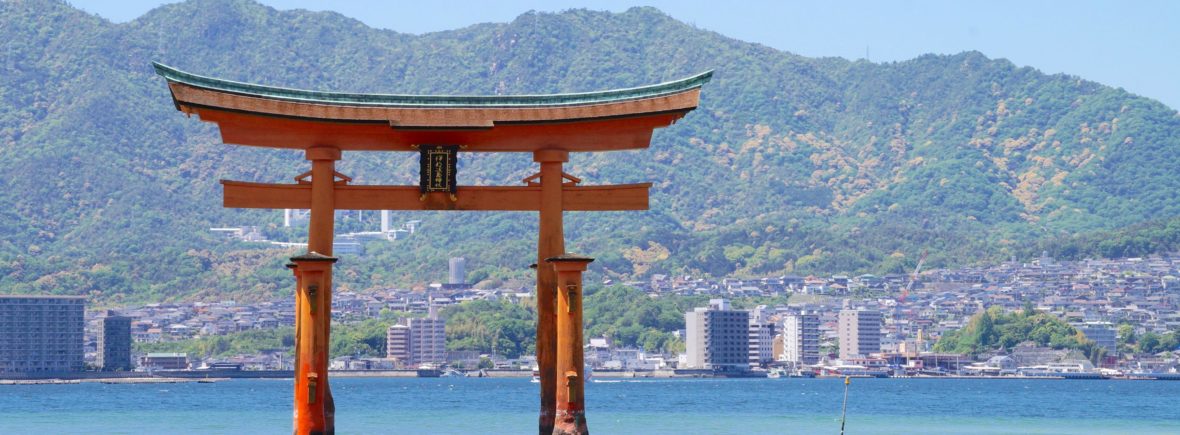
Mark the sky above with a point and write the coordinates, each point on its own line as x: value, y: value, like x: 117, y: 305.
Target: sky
x: 1132, y: 44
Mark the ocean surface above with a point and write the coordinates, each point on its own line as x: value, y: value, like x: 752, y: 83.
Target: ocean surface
x: 640, y: 406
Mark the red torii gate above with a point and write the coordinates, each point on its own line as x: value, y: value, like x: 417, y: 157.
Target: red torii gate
x: 324, y: 124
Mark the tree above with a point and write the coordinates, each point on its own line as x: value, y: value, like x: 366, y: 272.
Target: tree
x: 993, y: 329
x: 1149, y: 343
x: 486, y: 363
x: 1126, y: 338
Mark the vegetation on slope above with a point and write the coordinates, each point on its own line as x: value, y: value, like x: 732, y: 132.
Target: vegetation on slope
x: 791, y: 165
x: 993, y: 329
x: 1148, y: 343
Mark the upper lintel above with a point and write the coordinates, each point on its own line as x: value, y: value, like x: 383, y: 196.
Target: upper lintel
x: 431, y: 101
x: 268, y: 116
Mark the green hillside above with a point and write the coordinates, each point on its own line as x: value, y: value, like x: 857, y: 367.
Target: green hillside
x: 791, y: 164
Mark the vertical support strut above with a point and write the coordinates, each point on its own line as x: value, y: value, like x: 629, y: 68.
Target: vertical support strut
x: 550, y: 243
x: 299, y: 303
x: 314, y: 407
x: 312, y: 396
x: 323, y: 201
x: 570, y: 418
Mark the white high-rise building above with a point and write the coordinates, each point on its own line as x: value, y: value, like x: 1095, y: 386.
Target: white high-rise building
x: 717, y: 337
x: 428, y: 340
x: 762, y: 332
x: 801, y: 339
x: 458, y: 271
x: 397, y: 344
x: 418, y: 341
x: 860, y: 333
x: 761, y: 343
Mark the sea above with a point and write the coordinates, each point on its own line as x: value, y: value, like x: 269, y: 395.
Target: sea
x: 615, y: 406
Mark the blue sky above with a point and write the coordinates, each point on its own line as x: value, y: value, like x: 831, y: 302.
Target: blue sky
x: 1131, y: 44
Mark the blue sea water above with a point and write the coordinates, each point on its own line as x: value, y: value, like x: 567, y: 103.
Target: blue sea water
x: 640, y: 406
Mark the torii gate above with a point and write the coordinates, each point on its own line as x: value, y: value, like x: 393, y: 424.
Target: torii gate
x: 324, y: 124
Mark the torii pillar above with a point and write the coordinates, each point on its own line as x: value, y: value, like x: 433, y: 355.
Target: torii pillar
x: 550, y: 243
x: 315, y: 411
x: 570, y: 417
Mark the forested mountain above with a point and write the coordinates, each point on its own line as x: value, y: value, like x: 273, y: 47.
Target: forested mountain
x: 790, y: 165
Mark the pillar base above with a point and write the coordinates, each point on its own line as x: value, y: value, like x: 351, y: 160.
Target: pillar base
x: 570, y: 423
x: 545, y: 423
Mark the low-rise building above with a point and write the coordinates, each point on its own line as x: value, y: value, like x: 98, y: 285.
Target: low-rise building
x: 164, y: 361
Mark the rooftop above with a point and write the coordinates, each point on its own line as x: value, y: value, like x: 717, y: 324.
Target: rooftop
x: 41, y: 297
x: 277, y: 117
x: 401, y: 100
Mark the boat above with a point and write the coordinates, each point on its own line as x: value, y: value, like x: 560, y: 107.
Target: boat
x: 452, y: 373
x: 1061, y: 371
x: 429, y: 371
x: 864, y: 373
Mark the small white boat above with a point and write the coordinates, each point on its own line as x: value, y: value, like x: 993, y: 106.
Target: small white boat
x: 452, y: 373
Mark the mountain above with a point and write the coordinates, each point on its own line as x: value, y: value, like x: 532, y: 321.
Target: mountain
x: 790, y: 165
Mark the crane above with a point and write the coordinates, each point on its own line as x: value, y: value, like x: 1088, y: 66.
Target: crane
x: 906, y: 291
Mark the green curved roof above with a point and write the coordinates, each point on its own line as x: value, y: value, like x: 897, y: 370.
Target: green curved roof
x: 394, y: 100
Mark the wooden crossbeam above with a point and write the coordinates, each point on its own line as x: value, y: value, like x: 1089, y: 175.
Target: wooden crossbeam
x: 241, y: 194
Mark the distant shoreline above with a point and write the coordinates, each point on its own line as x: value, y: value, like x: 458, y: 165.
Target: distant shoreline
x: 145, y: 380
x: 183, y: 376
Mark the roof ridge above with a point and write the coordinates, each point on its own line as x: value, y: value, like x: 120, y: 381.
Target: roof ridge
x: 403, y: 100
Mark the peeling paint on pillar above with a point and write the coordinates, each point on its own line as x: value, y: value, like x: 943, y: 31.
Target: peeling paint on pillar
x: 570, y: 416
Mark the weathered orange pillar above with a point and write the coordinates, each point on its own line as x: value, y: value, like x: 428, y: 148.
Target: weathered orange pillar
x: 314, y: 408
x: 299, y: 303
x: 571, y: 400
x: 323, y: 200
x: 550, y: 243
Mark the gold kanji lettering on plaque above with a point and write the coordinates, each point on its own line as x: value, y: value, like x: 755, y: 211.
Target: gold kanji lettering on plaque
x: 437, y: 166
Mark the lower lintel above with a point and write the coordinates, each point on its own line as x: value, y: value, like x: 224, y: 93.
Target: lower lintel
x: 240, y: 194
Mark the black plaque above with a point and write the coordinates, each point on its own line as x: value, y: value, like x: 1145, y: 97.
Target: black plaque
x: 437, y: 168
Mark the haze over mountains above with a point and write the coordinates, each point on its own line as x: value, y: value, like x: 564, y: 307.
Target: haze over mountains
x: 790, y: 165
